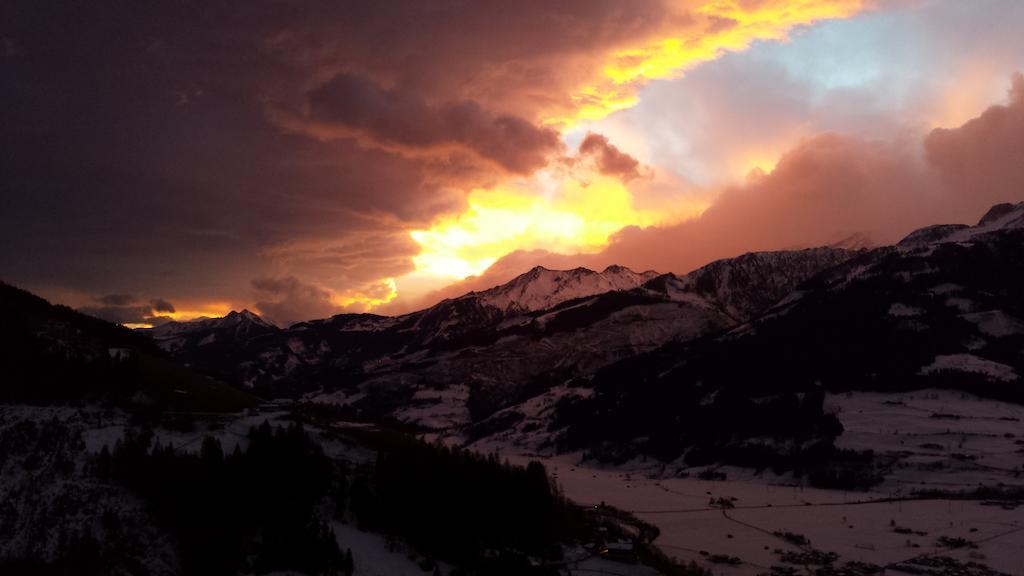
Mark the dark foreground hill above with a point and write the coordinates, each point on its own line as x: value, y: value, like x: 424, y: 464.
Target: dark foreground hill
x: 54, y: 355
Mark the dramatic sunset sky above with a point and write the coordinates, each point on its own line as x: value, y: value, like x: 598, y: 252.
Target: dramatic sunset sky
x: 178, y: 159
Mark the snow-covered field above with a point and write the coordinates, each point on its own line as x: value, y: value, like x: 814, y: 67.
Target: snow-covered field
x: 371, y: 555
x: 856, y: 525
x: 939, y: 439
x: 437, y: 409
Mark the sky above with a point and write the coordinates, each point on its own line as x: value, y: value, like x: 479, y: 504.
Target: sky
x: 172, y: 160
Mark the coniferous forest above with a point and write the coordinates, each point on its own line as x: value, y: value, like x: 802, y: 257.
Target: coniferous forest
x: 270, y: 505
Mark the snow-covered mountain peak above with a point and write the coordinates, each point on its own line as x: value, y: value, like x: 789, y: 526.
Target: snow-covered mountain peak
x: 245, y: 316
x: 750, y: 283
x: 1000, y: 217
x: 930, y: 234
x: 243, y: 324
x: 1004, y: 215
x: 541, y: 288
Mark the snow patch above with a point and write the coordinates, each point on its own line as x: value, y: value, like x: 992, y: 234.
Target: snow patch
x: 540, y: 288
x: 901, y: 310
x: 947, y: 288
x: 437, y: 409
x: 371, y: 555
x: 961, y: 304
x: 996, y: 323
x: 972, y: 364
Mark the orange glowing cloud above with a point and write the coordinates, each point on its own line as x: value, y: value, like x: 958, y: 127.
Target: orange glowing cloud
x: 368, y: 299
x: 200, y: 310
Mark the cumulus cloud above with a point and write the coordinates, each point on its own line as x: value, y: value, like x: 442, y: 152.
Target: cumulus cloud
x: 608, y: 158
x: 161, y: 305
x: 983, y: 160
x: 826, y: 189
x: 832, y: 186
x: 116, y: 299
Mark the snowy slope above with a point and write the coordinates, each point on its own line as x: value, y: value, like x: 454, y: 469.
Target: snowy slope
x: 540, y: 288
x: 1000, y: 217
x: 746, y: 285
x: 942, y: 311
x: 51, y: 499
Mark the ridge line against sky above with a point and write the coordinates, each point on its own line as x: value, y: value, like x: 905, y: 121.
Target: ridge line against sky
x: 378, y: 156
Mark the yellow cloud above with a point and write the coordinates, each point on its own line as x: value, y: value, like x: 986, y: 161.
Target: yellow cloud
x: 711, y: 29
x: 189, y: 312
x: 579, y: 217
x: 383, y: 292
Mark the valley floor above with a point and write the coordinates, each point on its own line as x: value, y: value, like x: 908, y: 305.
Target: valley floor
x: 860, y: 526
x: 938, y: 441
x: 940, y: 445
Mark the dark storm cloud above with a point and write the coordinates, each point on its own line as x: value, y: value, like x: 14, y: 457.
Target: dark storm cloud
x: 116, y: 299
x: 161, y: 305
x: 127, y: 309
x: 143, y: 148
x: 287, y: 300
x: 511, y: 57
x: 351, y: 105
x: 352, y: 261
x: 113, y: 179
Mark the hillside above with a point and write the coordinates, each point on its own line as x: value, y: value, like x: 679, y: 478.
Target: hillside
x: 54, y: 355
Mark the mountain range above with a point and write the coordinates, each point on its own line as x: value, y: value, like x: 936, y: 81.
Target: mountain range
x: 577, y: 358
x: 732, y: 359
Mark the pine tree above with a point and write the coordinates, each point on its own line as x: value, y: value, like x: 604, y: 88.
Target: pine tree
x: 349, y: 566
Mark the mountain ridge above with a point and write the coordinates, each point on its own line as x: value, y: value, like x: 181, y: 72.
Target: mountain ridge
x: 492, y: 350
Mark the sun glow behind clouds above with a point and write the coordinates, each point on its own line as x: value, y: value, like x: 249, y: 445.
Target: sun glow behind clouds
x: 582, y: 218
x: 578, y: 217
x: 189, y: 313
x: 383, y: 292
